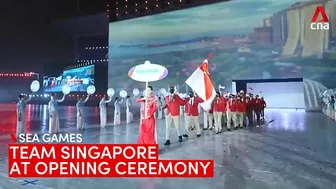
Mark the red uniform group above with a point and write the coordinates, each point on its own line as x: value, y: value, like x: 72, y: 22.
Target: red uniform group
x: 236, y: 110
x: 227, y: 110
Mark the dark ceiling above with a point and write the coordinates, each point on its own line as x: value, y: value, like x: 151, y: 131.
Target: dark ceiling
x: 28, y: 39
x: 49, y: 10
x: 53, y: 9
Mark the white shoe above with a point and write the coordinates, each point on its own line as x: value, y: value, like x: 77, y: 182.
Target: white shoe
x: 257, y: 125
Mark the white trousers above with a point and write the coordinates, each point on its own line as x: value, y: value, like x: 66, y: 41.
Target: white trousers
x: 129, y: 116
x: 103, y: 117
x: 224, y: 117
x: 193, y: 120
x: 245, y: 121
x: 116, y: 120
x: 240, y: 119
x: 21, y: 125
x: 331, y: 113
x: 54, y: 123
x: 169, y: 120
x: 231, y: 116
x: 181, y: 111
x: 159, y: 112
x: 218, y: 121
x: 208, y: 120
x: 80, y: 122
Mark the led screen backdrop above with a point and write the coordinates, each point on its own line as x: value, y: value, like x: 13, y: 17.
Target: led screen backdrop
x: 77, y: 78
x: 250, y: 39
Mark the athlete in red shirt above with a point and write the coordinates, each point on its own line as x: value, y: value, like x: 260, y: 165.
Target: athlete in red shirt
x: 257, y: 109
x: 208, y: 119
x: 173, y: 103
x: 241, y: 109
x: 192, y: 103
x: 232, y: 112
x: 218, y: 108
x: 263, y: 108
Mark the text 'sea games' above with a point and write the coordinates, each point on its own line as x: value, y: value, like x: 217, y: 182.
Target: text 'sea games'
x: 99, y: 160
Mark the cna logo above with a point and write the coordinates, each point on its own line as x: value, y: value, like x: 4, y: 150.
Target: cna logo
x: 322, y: 24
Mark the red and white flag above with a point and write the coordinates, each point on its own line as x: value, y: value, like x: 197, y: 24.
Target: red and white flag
x: 221, y: 86
x: 201, y: 83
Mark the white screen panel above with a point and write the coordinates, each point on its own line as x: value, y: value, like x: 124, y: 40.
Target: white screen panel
x: 234, y: 89
x: 280, y: 94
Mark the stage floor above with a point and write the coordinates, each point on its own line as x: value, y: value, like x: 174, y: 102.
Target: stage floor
x: 297, y: 150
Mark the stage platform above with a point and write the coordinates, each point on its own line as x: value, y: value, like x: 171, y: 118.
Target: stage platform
x: 296, y: 150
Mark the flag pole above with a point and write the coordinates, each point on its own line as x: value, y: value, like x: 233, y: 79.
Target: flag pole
x: 146, y: 100
x: 208, y: 58
x: 181, y: 86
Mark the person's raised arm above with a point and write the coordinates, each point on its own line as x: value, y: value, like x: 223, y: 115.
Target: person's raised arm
x: 121, y: 101
x: 61, y: 100
x: 108, y: 101
x: 86, y: 99
x: 179, y: 100
x: 28, y: 99
x: 140, y: 99
x: 199, y: 100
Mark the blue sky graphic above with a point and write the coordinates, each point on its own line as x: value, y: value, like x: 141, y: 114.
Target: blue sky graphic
x: 240, y: 16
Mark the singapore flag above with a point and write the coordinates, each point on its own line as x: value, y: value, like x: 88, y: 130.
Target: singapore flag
x: 200, y: 82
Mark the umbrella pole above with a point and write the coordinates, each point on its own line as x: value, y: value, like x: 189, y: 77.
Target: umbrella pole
x: 146, y: 101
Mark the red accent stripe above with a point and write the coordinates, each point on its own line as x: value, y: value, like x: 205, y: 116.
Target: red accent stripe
x: 13, y: 137
x: 131, y: 72
x: 207, y: 81
x: 210, y: 56
x: 208, y: 86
